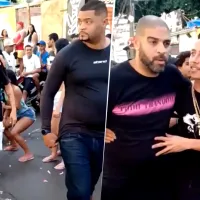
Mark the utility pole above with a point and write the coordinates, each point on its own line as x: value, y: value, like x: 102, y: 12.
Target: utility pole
x: 29, y: 13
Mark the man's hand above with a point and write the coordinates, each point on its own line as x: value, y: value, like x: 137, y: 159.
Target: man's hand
x: 13, y: 117
x: 50, y: 140
x: 171, y: 144
x: 109, y: 136
x: 24, y: 74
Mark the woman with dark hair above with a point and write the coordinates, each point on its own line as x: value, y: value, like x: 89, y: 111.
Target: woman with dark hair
x: 32, y: 37
x: 4, y: 33
x: 25, y: 118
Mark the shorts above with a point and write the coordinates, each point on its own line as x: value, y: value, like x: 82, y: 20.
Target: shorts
x: 56, y: 100
x: 20, y: 53
x: 29, y: 113
x: 28, y: 84
x: 43, y: 76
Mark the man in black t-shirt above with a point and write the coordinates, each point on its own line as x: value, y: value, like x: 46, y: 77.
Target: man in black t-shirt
x: 187, y: 140
x: 141, y: 101
x: 83, y: 66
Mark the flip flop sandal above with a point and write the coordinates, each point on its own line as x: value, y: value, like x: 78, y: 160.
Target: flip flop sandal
x: 9, y: 148
x: 48, y: 160
x: 60, y: 166
x: 26, y: 160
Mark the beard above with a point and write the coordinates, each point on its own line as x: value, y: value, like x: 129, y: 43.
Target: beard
x: 84, y: 37
x: 150, y: 64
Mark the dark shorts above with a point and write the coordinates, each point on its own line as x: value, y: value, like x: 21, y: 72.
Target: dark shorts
x: 83, y: 157
x: 28, y: 84
x: 43, y: 76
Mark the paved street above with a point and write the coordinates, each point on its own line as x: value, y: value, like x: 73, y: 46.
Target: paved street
x: 32, y: 180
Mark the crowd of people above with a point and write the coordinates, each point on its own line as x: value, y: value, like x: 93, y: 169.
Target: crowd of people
x: 73, y: 98
x: 152, y: 113
x: 26, y: 57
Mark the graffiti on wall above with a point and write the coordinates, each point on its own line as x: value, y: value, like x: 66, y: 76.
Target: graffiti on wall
x: 72, y: 17
x: 108, y: 2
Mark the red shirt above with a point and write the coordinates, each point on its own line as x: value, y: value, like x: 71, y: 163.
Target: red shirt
x: 16, y: 39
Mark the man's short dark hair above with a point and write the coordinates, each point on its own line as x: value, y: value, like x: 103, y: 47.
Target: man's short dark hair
x: 98, y: 6
x: 53, y: 36
x: 61, y: 43
x: 180, y: 59
x: 28, y: 45
x: 108, y: 35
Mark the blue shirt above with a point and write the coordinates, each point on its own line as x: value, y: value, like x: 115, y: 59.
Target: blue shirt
x: 44, y: 58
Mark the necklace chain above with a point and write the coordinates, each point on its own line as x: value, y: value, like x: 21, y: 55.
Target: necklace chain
x: 195, y: 102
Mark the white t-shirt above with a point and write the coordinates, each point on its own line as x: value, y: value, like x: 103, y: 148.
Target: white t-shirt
x: 26, y: 40
x: 50, y: 59
x: 31, y: 64
x: 11, y: 61
x: 56, y: 100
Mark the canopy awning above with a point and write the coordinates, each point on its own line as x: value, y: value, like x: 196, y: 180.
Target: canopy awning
x: 5, y: 3
x: 193, y: 23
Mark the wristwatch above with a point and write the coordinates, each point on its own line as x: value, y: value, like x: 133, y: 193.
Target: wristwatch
x: 45, y: 132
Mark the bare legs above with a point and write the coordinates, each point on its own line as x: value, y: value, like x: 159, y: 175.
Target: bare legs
x: 14, y: 135
x: 37, y: 82
x: 54, y: 151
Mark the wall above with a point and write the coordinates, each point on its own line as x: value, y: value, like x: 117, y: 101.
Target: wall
x: 52, y: 18
x: 110, y: 16
x: 22, y: 13
x: 8, y: 21
x: 185, y: 42
x: 36, y: 21
x: 71, y: 13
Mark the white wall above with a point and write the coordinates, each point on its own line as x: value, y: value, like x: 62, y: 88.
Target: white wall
x: 186, y: 43
x: 36, y: 21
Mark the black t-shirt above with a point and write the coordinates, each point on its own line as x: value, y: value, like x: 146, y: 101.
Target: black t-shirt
x: 190, y: 159
x: 85, y: 74
x: 176, y: 129
x: 188, y: 118
x: 3, y: 81
x: 139, y: 109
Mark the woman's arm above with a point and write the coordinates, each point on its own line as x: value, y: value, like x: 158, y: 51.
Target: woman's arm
x: 6, y: 114
x: 34, y: 39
